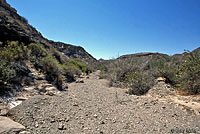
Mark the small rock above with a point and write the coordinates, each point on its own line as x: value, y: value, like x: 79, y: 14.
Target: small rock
x: 102, y: 122
x: 79, y: 81
x: 75, y: 105
x: 52, y: 121
x: 36, y: 124
x: 113, y: 121
x: 62, y: 119
x: 50, y: 93
x: 31, y: 75
x: 95, y: 116
x: 22, y: 98
x: 86, y: 128
x: 24, y: 132
x: 61, y: 126
x: 161, y: 79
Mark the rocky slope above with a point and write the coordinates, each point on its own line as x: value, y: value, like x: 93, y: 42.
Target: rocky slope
x: 14, y: 27
x: 73, y: 51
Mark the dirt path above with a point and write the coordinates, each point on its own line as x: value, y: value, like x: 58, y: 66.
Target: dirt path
x: 94, y: 108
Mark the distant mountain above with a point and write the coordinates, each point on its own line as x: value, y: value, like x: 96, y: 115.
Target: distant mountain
x: 14, y: 27
x: 73, y: 51
x: 141, y: 55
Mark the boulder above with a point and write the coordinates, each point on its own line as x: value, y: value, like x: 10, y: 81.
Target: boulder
x: 8, y: 126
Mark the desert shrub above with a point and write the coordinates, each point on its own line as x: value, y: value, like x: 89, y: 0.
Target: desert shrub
x: 58, y: 56
x: 6, y: 71
x: 58, y: 81
x: 138, y: 73
x: 71, y: 69
x: 13, y: 51
x: 79, y: 65
x: 50, y: 65
x: 53, y: 70
x: 37, y: 50
x: 189, y: 74
x: 169, y: 75
x: 164, y: 68
x: 130, y: 73
x: 102, y: 67
x: 139, y: 83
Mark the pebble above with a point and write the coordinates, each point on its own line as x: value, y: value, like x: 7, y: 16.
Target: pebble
x: 102, y: 122
x: 24, y: 132
x: 76, y: 105
x: 95, y: 116
x: 61, y: 126
x: 52, y: 121
x: 36, y: 124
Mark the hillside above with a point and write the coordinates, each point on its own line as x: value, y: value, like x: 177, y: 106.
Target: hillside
x: 14, y: 27
x: 24, y: 52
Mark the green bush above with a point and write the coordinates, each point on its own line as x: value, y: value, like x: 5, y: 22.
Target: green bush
x: 139, y: 83
x: 58, y: 81
x: 58, y: 56
x: 37, y: 50
x: 79, y: 65
x: 53, y: 70
x: 50, y: 65
x: 71, y: 69
x: 6, y: 72
x: 189, y: 74
x: 138, y: 73
x: 13, y: 51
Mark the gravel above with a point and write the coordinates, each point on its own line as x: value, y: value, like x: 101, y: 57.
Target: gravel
x: 93, y: 107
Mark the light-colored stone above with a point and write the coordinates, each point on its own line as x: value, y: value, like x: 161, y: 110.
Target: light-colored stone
x: 22, y: 98
x: 161, y: 79
x: 80, y: 81
x: 61, y: 126
x: 3, y: 109
x: 24, y: 132
x: 50, y: 93
x: 8, y: 126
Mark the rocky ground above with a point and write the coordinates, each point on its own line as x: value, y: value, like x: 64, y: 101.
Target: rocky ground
x: 91, y: 107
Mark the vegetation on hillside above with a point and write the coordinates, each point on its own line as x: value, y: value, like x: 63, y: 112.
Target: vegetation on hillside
x: 188, y: 74
x: 14, y: 55
x: 139, y: 73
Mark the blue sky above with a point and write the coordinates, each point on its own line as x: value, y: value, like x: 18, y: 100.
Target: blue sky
x: 110, y: 28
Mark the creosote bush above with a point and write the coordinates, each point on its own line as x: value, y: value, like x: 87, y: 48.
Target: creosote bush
x: 188, y: 75
x: 139, y: 83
